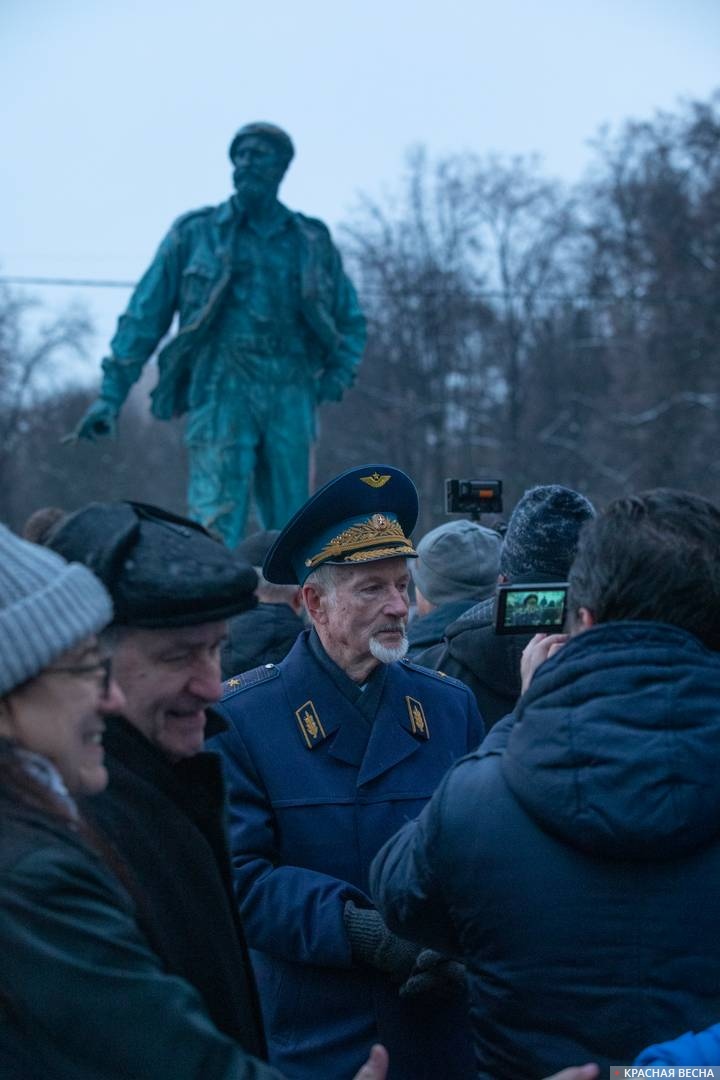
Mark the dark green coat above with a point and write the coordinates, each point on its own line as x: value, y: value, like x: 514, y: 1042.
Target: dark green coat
x: 82, y: 997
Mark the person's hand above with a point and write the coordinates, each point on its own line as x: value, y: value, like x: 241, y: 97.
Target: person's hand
x: 99, y: 420
x: 539, y: 649
x: 376, y: 1066
x: 576, y: 1072
x: 436, y: 975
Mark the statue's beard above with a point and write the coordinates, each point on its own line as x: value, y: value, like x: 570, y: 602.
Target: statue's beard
x: 255, y: 191
x: 388, y: 654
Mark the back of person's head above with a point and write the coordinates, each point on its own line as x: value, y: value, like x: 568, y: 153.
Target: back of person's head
x: 254, y: 549
x: 457, y: 561
x: 653, y: 556
x: 42, y: 523
x: 542, y: 534
x: 162, y: 570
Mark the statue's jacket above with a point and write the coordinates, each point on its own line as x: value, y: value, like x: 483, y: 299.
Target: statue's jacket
x: 191, y: 274
x: 315, y: 790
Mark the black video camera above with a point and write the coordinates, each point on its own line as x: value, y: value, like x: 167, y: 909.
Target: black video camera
x: 473, y: 497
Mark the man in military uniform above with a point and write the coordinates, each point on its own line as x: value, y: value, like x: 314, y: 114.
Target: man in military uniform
x: 269, y: 326
x: 327, y: 754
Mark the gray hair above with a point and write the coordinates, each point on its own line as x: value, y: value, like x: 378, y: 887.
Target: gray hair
x: 326, y: 579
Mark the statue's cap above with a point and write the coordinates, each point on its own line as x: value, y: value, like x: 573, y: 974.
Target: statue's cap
x: 267, y: 131
x: 365, y: 514
x: 161, y: 569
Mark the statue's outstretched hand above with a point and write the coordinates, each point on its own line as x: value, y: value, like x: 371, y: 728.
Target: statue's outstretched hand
x: 100, y: 419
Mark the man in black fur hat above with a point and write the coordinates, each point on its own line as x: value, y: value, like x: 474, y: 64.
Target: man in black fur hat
x: 173, y: 588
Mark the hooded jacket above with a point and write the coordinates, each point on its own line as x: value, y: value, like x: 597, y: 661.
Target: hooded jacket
x: 577, y: 869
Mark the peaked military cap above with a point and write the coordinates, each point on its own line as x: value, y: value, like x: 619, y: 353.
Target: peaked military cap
x: 366, y: 513
x: 161, y: 569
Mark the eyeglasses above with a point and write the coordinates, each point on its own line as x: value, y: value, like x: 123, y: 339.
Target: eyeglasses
x: 102, y: 667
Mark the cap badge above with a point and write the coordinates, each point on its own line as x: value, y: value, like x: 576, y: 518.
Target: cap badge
x: 351, y: 544
x: 309, y: 723
x: 375, y: 480
x: 418, y: 723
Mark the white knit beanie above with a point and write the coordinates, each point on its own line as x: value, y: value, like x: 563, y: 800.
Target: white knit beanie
x: 46, y: 606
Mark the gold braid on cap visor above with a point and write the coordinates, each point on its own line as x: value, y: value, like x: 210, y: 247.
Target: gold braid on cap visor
x: 351, y: 544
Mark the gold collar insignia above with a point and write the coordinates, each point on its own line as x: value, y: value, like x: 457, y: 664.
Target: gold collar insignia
x: 418, y: 723
x: 311, y: 729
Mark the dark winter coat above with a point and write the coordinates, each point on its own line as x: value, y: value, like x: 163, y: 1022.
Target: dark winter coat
x: 82, y: 997
x: 424, y: 631
x: 487, y: 662
x: 168, y: 823
x: 578, y: 870
x: 264, y: 635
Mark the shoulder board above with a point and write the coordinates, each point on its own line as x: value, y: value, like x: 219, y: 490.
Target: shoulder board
x: 446, y: 680
x: 257, y: 675
x: 184, y: 218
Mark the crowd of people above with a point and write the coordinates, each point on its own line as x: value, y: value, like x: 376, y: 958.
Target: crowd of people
x: 243, y: 835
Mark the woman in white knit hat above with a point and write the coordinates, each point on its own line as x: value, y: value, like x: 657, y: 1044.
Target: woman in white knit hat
x: 54, y: 681
x: 82, y: 997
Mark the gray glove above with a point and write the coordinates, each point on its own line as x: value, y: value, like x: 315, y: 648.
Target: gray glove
x: 373, y: 944
x: 435, y: 974
x: 100, y: 419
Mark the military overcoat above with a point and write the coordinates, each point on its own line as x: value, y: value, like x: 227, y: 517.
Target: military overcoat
x: 315, y: 790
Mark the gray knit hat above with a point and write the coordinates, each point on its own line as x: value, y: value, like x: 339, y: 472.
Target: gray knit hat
x: 46, y: 607
x: 457, y: 561
x: 542, y: 534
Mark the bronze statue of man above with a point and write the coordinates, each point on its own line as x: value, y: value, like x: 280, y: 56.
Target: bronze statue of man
x: 269, y: 326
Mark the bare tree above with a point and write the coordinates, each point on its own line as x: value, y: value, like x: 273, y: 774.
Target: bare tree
x: 653, y: 268
x: 29, y: 364
x: 455, y: 276
x: 39, y: 405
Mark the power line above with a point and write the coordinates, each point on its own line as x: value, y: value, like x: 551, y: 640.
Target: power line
x: 100, y: 283
x: 484, y: 294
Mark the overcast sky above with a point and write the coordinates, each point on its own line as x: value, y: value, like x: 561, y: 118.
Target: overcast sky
x: 117, y: 116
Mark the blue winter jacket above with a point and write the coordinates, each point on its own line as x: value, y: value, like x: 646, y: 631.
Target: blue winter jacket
x: 687, y: 1049
x: 577, y: 870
